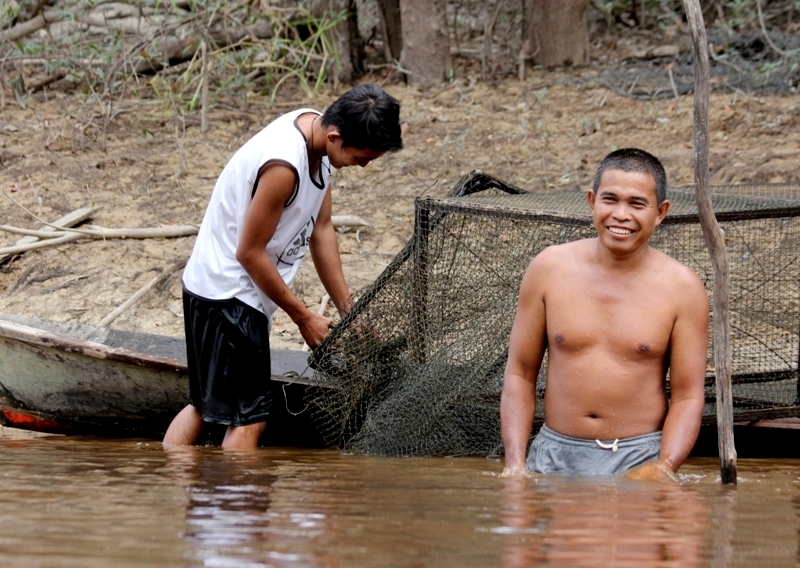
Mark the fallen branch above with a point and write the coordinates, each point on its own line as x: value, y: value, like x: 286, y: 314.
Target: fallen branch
x: 348, y: 221
x: 141, y: 292
x: 95, y: 232
x: 54, y: 237
x: 657, y: 51
x: 143, y: 233
x: 70, y: 220
x: 27, y: 28
x: 17, y: 249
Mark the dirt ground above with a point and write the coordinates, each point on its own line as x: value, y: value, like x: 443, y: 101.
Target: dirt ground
x: 148, y: 168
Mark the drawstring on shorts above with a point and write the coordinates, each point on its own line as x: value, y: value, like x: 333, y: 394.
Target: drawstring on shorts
x: 612, y: 446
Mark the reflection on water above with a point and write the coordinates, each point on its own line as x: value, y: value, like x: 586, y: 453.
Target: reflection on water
x: 88, y: 502
x: 607, y: 523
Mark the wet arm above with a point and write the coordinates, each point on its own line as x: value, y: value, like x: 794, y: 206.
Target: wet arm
x: 275, y: 186
x: 688, y: 353
x: 525, y: 352
x: 327, y: 260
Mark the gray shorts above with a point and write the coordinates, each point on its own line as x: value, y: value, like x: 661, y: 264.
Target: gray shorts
x: 552, y: 452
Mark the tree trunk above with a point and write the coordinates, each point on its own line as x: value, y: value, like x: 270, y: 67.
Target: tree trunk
x: 426, y: 41
x: 556, y: 32
x: 349, y: 42
x: 392, y: 28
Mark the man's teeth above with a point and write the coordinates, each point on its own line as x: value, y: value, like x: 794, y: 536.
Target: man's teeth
x: 618, y: 231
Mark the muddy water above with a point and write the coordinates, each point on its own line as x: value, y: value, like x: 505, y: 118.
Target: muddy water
x: 88, y: 502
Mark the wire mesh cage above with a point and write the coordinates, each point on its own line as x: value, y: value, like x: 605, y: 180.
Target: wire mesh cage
x: 416, y: 367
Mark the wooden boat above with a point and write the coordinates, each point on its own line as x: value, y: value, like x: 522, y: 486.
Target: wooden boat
x: 69, y: 378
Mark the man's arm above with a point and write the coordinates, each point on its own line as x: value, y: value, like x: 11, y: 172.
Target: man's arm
x: 526, y: 349
x: 688, y: 358
x: 327, y: 260
x: 687, y: 375
x: 275, y: 186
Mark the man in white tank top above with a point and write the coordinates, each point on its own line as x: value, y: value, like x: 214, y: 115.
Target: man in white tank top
x: 270, y: 204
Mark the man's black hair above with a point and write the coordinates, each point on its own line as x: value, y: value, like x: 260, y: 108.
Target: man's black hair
x: 366, y: 117
x: 636, y: 161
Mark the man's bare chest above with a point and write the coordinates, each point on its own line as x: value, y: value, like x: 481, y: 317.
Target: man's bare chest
x: 627, y: 321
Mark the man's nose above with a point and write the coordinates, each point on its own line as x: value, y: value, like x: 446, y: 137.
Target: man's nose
x: 621, y: 211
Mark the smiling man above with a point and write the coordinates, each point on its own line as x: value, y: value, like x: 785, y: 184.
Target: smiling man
x: 614, y: 315
x: 270, y: 203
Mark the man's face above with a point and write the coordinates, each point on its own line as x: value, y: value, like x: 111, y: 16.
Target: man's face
x: 625, y: 210
x: 344, y: 156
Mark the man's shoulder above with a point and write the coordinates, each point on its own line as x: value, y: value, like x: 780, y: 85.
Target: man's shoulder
x: 564, y: 250
x: 561, y: 251
x: 680, y: 277
x: 555, y: 259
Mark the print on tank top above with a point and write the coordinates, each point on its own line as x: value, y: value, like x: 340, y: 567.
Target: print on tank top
x: 296, y: 249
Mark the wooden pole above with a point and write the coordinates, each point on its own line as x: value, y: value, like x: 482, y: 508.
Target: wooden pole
x: 715, y: 240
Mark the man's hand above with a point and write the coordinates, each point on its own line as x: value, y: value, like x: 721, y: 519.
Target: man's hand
x: 515, y: 472
x: 314, y: 328
x: 651, y: 471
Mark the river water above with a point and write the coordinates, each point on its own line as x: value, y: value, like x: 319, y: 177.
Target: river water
x: 83, y: 502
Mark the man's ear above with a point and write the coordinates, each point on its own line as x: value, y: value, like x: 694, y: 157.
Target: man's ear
x: 333, y: 135
x: 663, y: 208
x: 590, y: 197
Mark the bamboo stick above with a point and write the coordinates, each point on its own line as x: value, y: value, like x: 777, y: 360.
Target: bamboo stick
x: 715, y: 241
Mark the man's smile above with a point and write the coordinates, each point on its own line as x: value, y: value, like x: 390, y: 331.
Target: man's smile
x: 620, y: 231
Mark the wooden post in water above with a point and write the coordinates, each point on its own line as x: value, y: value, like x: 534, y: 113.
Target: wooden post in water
x: 715, y: 239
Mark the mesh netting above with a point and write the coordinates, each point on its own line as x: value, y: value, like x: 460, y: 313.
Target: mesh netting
x: 739, y: 63
x: 416, y: 367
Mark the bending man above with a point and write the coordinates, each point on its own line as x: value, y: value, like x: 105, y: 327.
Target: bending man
x: 614, y: 315
x: 270, y: 203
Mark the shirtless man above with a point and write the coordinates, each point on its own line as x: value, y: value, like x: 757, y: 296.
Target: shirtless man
x: 614, y: 315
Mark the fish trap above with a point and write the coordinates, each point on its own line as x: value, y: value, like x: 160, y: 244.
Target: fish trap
x: 415, y: 369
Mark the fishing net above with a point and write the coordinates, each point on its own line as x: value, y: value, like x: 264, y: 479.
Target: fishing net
x: 743, y: 63
x: 416, y: 367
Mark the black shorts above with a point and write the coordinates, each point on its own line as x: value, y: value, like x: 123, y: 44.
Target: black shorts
x: 227, y: 350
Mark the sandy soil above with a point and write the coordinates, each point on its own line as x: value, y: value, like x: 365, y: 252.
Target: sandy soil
x: 148, y: 167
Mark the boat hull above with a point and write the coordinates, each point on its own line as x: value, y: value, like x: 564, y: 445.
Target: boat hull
x: 71, y: 379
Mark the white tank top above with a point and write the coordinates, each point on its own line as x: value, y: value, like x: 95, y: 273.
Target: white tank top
x: 212, y: 271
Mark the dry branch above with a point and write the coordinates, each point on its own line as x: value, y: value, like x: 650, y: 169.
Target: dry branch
x: 54, y: 237
x: 166, y: 49
x: 715, y: 240
x: 95, y: 232
x: 167, y: 231
x: 27, y: 28
x: 17, y: 249
x: 70, y: 220
x: 348, y: 221
x: 141, y: 292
